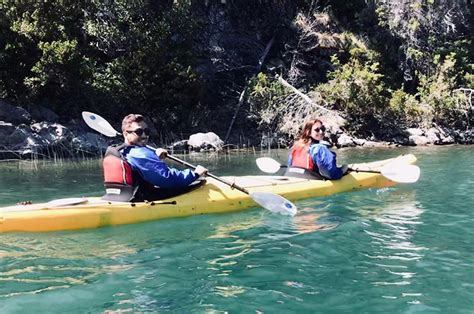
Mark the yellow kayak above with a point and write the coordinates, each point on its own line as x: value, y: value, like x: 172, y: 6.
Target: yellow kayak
x: 212, y: 197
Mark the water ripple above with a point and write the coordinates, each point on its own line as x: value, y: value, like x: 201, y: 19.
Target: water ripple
x: 405, y: 249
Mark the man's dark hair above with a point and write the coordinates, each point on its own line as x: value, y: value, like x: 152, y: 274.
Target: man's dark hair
x: 128, y: 120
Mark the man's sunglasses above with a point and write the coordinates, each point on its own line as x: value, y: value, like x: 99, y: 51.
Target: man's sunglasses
x: 322, y: 128
x: 140, y: 131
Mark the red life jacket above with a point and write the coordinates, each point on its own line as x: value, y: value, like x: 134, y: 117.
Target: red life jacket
x: 300, y: 157
x: 116, y: 169
x: 122, y: 184
x: 118, y: 177
x: 302, y: 165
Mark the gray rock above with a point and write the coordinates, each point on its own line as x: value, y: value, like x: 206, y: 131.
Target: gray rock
x: 27, y: 142
x: 415, y: 131
x: 467, y: 137
x: 5, y: 130
x: 205, y: 141
x: 433, y: 136
x: 360, y: 141
x: 89, y: 144
x: 180, y: 146
x: 40, y: 113
x: 52, y: 133
x: 19, y: 135
x: 418, y: 140
x: 401, y: 140
x: 345, y: 140
x: 376, y: 144
x: 446, y: 136
x: 447, y: 139
x: 16, y: 115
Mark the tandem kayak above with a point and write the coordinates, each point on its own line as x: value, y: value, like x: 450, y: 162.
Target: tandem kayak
x: 212, y: 197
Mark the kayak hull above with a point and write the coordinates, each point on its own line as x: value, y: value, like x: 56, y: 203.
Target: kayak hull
x: 213, y: 197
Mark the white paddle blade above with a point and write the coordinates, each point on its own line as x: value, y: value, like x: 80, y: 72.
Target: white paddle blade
x: 401, y: 172
x: 99, y: 124
x: 274, y: 203
x: 268, y: 165
x: 66, y: 202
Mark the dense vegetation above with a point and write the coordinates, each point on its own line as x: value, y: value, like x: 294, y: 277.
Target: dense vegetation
x: 384, y: 65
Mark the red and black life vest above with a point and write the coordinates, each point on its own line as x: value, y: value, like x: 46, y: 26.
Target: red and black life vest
x: 302, y: 165
x: 123, y: 184
x: 116, y: 169
x: 301, y: 158
x: 118, y: 176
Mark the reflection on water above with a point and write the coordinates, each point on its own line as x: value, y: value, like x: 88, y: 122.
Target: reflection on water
x: 262, y: 244
x: 394, y: 250
x: 227, y: 230
x: 308, y: 221
x: 32, y: 264
x: 397, y: 250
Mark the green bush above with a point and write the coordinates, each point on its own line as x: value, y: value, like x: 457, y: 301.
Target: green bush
x: 357, y: 89
x: 436, y: 91
x: 266, y: 97
x: 406, y: 109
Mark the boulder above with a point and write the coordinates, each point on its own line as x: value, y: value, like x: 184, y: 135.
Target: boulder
x: 360, y: 141
x: 415, y: 131
x: 180, y: 146
x: 52, y: 133
x: 89, y: 144
x: 345, y: 140
x: 19, y: 135
x: 40, y: 113
x: 375, y: 144
x: 16, y: 115
x: 6, y: 129
x: 446, y: 136
x: 418, y: 140
x: 467, y: 137
x: 400, y: 140
x: 26, y: 142
x: 433, y: 136
x: 205, y: 142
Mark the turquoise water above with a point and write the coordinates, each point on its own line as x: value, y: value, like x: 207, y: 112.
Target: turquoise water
x: 408, y: 249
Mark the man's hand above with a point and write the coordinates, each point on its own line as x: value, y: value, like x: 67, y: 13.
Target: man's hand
x: 161, y: 153
x: 200, y: 170
x: 345, y: 169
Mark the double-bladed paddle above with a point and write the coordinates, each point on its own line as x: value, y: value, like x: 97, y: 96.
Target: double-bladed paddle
x: 396, y: 171
x: 273, y: 202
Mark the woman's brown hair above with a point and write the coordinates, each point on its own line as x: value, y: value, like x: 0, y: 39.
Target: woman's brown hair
x: 305, y: 135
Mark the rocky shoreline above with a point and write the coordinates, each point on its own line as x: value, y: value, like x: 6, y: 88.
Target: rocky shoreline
x: 36, y: 133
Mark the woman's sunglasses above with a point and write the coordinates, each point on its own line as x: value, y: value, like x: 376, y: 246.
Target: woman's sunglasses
x: 322, y: 128
x: 140, y: 131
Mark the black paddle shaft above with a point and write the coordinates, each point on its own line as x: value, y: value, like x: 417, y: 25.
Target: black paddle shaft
x: 231, y: 184
x: 368, y: 171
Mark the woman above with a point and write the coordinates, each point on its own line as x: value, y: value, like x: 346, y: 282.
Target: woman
x: 310, y: 156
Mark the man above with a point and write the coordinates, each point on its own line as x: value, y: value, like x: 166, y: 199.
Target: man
x: 151, y: 176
